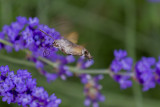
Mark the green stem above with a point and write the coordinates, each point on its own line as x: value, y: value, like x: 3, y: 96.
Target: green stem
x: 5, y: 42
x: 17, y: 61
x: 130, y: 13
x: 55, y: 65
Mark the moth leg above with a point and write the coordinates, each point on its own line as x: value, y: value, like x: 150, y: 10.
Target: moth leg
x: 63, y: 51
x: 69, y: 54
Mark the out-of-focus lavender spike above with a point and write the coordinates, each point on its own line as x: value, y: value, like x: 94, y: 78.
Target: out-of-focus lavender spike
x: 91, y: 84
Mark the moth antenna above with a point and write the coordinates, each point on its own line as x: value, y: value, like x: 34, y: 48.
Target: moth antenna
x: 46, y: 34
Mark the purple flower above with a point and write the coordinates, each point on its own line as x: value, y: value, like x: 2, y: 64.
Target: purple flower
x: 8, y: 48
x: 21, y: 88
x: 11, y: 75
x: 26, y: 99
x: 91, y: 86
x: 92, y: 89
x: 4, y: 70
x: 70, y: 59
x: 8, y: 84
x: 64, y: 72
x: 124, y: 81
x: 54, y: 99
x: 19, y: 45
x: 119, y: 64
x: 5, y: 28
x: 17, y: 26
x: 18, y: 80
x: 1, y: 35
x: 22, y: 20
x: 39, y: 64
x: 31, y: 83
x: 7, y: 97
x: 28, y: 36
x: 51, y: 76
x: 33, y: 21
x: 120, y: 54
x: 88, y: 63
x: 34, y: 104
x: 121, y: 61
x: 25, y: 34
x: 48, y: 40
x: 82, y: 64
x: 116, y: 66
x: 40, y: 93
x: 12, y: 34
x: 158, y: 71
x: 24, y: 74
x: 127, y: 63
x: 145, y: 72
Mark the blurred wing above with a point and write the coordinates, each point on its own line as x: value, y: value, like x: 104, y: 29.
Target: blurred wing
x: 84, y: 45
x: 73, y: 37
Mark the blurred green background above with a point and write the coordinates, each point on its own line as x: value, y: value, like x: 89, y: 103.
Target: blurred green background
x: 102, y: 25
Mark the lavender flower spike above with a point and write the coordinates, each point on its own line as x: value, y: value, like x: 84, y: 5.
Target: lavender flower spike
x: 25, y: 34
x: 92, y: 87
x: 145, y: 72
x: 21, y: 88
x: 121, y: 63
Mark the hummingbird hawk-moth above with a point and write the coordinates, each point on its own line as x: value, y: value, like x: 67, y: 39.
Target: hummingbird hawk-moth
x: 69, y: 48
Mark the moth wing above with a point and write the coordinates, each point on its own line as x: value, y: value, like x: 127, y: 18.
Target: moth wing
x: 83, y: 45
x: 73, y: 37
x: 77, y: 50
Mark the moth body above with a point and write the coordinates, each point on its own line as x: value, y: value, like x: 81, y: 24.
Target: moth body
x: 70, y: 48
